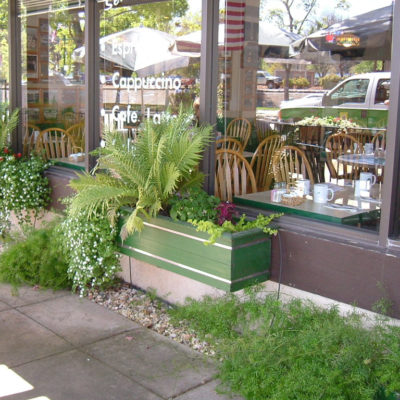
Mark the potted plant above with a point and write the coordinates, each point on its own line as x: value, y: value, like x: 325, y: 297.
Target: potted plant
x: 139, y: 182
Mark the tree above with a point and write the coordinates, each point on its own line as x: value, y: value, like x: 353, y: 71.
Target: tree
x: 298, y: 16
x: 4, y: 41
x: 69, y: 25
x: 158, y: 15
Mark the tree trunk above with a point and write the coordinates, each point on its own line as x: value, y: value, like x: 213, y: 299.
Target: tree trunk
x: 288, y: 68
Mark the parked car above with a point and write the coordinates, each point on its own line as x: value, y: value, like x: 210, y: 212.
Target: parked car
x: 313, y: 99
x: 266, y: 79
x: 361, y: 98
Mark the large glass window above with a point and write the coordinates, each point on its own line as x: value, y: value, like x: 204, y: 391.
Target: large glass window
x: 145, y: 68
x: 303, y: 98
x: 4, y: 40
x: 53, y: 80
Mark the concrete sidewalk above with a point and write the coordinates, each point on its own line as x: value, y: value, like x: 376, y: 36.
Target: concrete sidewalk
x: 57, y: 346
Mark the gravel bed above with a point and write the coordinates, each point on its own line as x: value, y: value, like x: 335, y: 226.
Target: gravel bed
x: 146, y: 310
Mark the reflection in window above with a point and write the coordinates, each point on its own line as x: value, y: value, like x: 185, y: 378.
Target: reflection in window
x: 318, y: 127
x: 352, y: 91
x: 144, y: 72
x: 4, y: 52
x: 53, y: 81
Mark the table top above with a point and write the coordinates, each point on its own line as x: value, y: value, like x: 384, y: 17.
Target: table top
x: 362, y: 159
x: 66, y: 162
x: 345, y: 208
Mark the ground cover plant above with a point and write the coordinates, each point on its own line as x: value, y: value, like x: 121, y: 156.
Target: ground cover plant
x: 35, y: 258
x: 271, y: 350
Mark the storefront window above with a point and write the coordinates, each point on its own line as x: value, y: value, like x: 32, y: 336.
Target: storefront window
x: 144, y: 73
x: 4, y: 79
x: 53, y: 80
x: 308, y: 110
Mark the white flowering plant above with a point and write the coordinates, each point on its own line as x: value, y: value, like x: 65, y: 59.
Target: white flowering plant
x: 328, y: 121
x: 89, y: 245
x: 23, y: 188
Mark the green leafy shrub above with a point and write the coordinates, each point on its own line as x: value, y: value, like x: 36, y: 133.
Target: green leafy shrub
x: 35, y: 260
x: 300, y: 82
x: 276, y: 351
x: 193, y: 204
x: 329, y: 81
x: 23, y: 188
x: 89, y: 246
x: 215, y: 230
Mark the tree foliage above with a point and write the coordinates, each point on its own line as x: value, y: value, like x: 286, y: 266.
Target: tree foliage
x: 158, y: 16
x: 297, y: 15
x: 4, y: 40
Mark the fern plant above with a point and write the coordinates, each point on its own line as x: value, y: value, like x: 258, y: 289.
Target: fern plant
x: 143, y: 174
x: 7, y: 124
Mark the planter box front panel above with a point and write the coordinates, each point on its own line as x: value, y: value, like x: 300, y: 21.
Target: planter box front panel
x: 232, y: 263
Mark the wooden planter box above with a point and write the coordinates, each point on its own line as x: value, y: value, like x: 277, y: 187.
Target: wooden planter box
x: 233, y: 262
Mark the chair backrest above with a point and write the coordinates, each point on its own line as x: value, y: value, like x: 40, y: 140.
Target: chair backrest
x: 55, y: 143
x: 229, y: 143
x: 239, y: 128
x: 29, y: 141
x: 77, y: 132
x: 261, y: 163
x: 379, y: 141
x: 233, y: 175
x: 263, y: 129
x: 290, y: 164
x: 361, y: 135
x: 339, y: 144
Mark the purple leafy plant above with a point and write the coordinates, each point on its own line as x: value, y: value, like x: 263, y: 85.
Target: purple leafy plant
x: 226, y: 211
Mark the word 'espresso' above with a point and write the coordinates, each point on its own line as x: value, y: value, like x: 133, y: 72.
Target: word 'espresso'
x: 130, y: 83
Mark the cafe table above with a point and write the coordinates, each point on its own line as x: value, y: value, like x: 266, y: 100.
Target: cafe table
x: 362, y: 160
x: 345, y: 208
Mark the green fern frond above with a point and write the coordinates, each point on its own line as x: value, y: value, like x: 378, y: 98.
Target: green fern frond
x: 8, y: 123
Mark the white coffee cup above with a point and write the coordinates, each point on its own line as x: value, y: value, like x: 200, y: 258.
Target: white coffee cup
x: 368, y: 176
x: 303, y: 187
x: 368, y: 148
x: 362, y: 188
x: 322, y: 193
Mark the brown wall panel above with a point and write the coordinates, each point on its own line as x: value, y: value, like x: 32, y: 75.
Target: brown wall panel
x: 343, y: 272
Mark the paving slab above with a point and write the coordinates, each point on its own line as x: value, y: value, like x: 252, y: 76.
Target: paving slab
x: 161, y: 365
x: 206, y: 392
x: 23, y: 340
x: 27, y: 295
x: 4, y: 306
x: 78, y: 320
x: 74, y: 375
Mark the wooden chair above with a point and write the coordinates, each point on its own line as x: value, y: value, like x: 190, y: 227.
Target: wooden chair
x: 233, y: 175
x: 55, y: 143
x: 261, y: 163
x: 239, y: 128
x: 77, y: 132
x: 229, y: 143
x: 30, y: 137
x: 339, y: 144
x: 289, y: 164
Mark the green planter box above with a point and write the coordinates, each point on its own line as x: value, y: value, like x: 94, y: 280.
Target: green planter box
x: 233, y: 262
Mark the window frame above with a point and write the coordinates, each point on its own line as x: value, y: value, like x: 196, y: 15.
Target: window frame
x: 390, y: 211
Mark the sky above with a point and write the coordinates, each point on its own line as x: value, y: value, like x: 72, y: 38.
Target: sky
x: 356, y: 6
